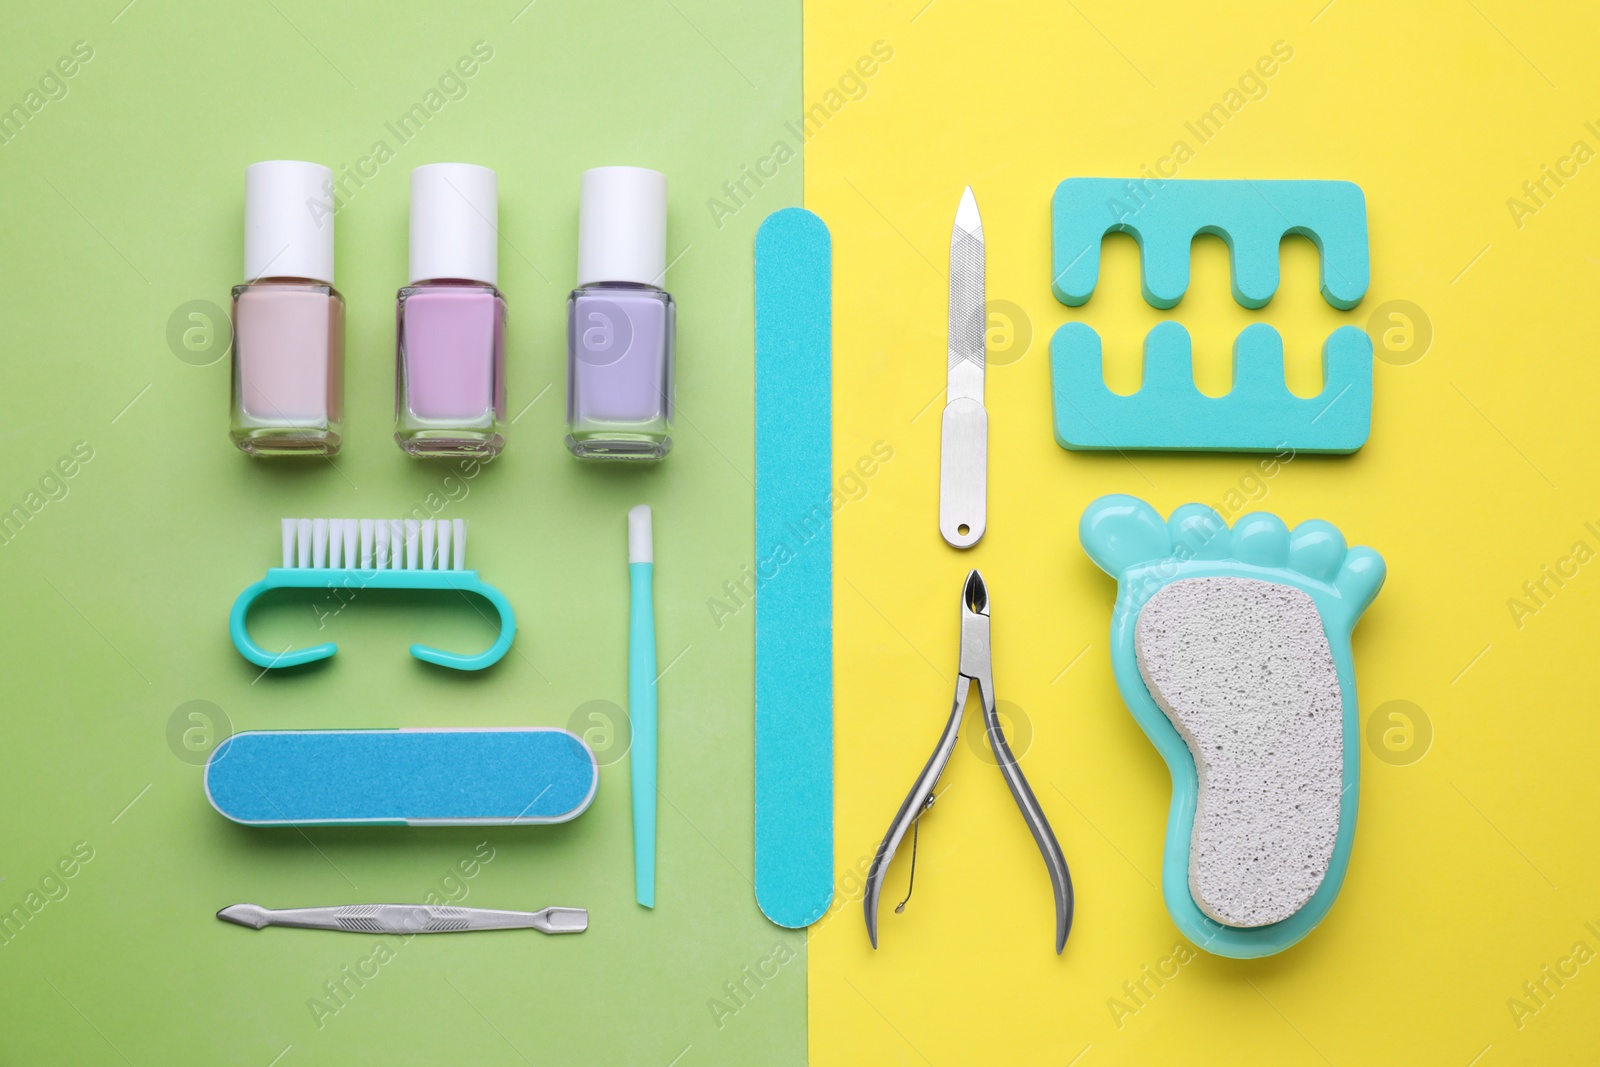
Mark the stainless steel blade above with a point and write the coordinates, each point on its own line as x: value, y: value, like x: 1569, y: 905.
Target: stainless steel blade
x: 964, y: 430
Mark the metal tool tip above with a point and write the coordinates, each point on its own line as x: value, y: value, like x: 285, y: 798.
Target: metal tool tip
x: 975, y: 595
x: 251, y: 915
x: 565, y: 920
x: 967, y: 214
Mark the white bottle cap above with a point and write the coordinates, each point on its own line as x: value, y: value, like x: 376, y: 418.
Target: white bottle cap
x: 455, y: 216
x: 288, y: 221
x: 622, y: 226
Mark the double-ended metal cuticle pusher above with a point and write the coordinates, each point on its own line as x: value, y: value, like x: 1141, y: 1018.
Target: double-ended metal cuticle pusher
x: 408, y: 918
x: 976, y: 670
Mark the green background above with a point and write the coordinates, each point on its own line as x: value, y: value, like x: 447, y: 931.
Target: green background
x: 120, y: 204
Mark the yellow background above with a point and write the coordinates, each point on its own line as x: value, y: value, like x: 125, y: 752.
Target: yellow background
x: 1475, y: 866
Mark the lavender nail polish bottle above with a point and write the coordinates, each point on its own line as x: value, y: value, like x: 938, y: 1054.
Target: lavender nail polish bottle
x: 620, y: 321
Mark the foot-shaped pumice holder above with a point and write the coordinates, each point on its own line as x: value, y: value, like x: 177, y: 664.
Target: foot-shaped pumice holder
x: 1231, y: 647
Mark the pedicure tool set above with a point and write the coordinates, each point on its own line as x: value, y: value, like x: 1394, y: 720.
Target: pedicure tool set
x: 1264, y: 774
x: 450, y: 394
x: 1263, y: 804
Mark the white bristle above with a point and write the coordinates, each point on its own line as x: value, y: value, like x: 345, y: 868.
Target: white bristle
x: 444, y: 544
x: 384, y: 544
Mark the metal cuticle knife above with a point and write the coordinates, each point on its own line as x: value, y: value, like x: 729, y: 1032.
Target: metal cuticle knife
x: 408, y: 918
x: 964, y: 437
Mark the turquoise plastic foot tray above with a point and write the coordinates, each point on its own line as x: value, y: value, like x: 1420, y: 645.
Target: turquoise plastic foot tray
x: 1149, y: 556
x: 1258, y: 414
x: 1252, y: 216
x: 402, y: 777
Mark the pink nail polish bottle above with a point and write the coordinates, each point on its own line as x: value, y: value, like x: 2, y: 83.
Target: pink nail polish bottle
x: 450, y: 397
x: 288, y: 320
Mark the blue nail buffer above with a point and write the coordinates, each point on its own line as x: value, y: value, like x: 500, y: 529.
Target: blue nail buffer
x: 439, y: 777
x: 794, y: 555
x: 1252, y: 216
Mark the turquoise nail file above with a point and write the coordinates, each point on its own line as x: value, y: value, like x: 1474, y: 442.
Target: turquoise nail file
x: 794, y: 610
x: 428, y: 777
x: 1252, y: 216
x: 1258, y: 414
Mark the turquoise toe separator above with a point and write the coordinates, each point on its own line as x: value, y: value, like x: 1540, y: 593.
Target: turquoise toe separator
x: 1252, y: 216
x: 1259, y: 414
x: 1168, y: 412
x: 1339, y: 609
x: 354, y: 579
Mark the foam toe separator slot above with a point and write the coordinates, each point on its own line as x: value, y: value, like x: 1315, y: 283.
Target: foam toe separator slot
x: 439, y: 777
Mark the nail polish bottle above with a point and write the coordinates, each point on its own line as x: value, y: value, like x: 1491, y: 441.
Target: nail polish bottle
x: 288, y: 319
x: 620, y: 320
x: 449, y: 394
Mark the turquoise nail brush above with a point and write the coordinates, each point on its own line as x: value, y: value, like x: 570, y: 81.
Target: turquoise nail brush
x: 642, y: 702
x: 338, y: 557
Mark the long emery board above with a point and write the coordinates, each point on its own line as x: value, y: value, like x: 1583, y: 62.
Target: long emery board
x: 794, y: 560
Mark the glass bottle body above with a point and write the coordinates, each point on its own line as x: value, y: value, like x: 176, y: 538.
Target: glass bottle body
x: 450, y: 369
x: 620, y: 340
x: 288, y: 367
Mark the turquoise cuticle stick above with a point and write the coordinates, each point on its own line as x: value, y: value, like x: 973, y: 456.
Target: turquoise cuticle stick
x: 642, y: 702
